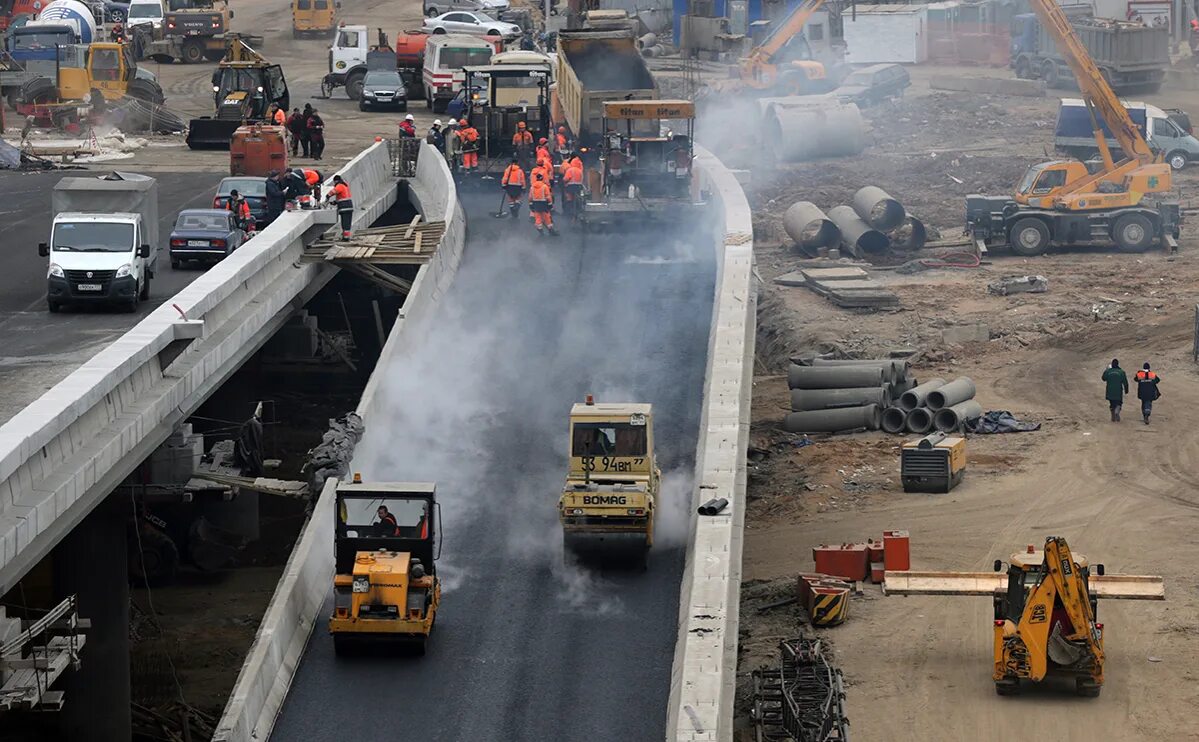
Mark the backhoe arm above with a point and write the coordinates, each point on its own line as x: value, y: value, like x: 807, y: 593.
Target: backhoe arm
x: 762, y: 56
x: 1072, y: 592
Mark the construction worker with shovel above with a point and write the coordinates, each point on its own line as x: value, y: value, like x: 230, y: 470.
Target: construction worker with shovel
x: 513, y: 183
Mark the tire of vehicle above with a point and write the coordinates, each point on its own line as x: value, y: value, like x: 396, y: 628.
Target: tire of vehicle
x: 38, y: 90
x: 145, y: 295
x: 354, y: 85
x: 13, y: 97
x: 53, y: 306
x: 431, y: 12
x: 193, y: 52
x: 1029, y: 236
x: 440, y: 106
x: 439, y: 30
x: 1133, y: 233
x: 428, y: 100
x: 176, y: 263
x: 1007, y: 687
x: 1087, y: 688
x: 145, y: 90
x: 1050, y: 73
x: 214, y: 56
x: 1023, y: 68
x: 132, y: 305
x: 494, y: 32
x: 1177, y: 159
x: 361, y: 106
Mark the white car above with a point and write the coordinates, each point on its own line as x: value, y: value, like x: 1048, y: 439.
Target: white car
x: 472, y: 24
x: 493, y: 8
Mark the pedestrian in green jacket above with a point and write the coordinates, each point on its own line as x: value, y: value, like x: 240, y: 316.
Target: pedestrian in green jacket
x: 1117, y: 387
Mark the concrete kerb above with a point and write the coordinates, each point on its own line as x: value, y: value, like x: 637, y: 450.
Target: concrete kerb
x: 272, y: 661
x: 703, y: 678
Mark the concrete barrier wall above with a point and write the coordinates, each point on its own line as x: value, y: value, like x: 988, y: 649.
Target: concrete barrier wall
x: 65, y: 452
x: 295, y: 607
x: 703, y: 679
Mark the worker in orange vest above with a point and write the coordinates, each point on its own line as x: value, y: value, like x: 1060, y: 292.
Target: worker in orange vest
x: 513, y: 183
x: 469, y: 137
x: 543, y: 150
x: 522, y: 142
x: 541, y: 203
x: 563, y: 141
x: 314, y: 179
x: 340, y: 195
x: 573, y: 180
x: 1147, y: 390
x: 279, y: 117
x: 241, y: 211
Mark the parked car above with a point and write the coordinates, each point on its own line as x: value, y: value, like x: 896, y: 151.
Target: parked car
x: 873, y: 84
x: 471, y: 23
x: 254, y: 191
x: 434, y: 8
x: 204, y: 235
x: 383, y: 89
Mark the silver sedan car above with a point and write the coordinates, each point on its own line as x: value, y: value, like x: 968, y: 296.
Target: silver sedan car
x: 471, y: 23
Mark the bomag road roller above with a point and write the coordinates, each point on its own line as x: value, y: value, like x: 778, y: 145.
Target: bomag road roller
x: 385, y: 545
x: 607, y: 505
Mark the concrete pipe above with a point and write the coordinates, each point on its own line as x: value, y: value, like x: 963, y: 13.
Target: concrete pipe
x: 810, y: 227
x: 958, y: 390
x: 950, y: 419
x: 827, y: 399
x: 897, y: 370
x: 903, y: 385
x: 833, y: 421
x: 894, y: 420
x: 919, y: 420
x: 810, y: 377
x: 914, y: 397
x: 911, y: 234
x: 813, y: 130
x: 857, y: 235
x: 657, y: 50
x: 647, y: 41
x: 877, y: 208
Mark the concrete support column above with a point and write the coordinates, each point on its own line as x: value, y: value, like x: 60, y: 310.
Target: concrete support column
x: 91, y: 563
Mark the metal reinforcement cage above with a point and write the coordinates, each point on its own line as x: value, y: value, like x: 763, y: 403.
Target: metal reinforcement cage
x: 803, y: 699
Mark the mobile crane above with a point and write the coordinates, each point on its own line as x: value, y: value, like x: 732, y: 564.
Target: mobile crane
x: 764, y: 70
x: 1045, y: 612
x: 1066, y: 202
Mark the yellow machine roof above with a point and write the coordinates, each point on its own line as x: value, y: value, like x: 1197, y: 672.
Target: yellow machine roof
x: 610, y: 409
x: 649, y: 109
x: 1036, y: 557
x: 398, y: 488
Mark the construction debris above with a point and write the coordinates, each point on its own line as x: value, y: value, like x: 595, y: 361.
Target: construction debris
x: 1019, y: 285
x: 1000, y: 421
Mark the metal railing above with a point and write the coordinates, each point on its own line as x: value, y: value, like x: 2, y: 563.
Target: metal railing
x: 403, y: 153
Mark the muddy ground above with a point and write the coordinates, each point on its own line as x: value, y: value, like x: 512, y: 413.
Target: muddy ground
x: 1124, y: 494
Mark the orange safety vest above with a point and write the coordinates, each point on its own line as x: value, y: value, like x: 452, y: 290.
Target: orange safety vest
x: 469, y: 135
x: 280, y: 117
x: 561, y: 141
x: 1144, y: 375
x: 543, y: 152
x: 541, y: 192
x: 523, y: 137
x: 576, y: 161
x: 243, y: 208
x: 312, y: 177
x: 573, y: 175
x: 513, y: 175
x: 341, y: 192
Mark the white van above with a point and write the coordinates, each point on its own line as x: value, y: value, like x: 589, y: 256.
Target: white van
x: 98, y: 258
x: 143, y: 12
x: 1074, y: 136
x: 445, y: 56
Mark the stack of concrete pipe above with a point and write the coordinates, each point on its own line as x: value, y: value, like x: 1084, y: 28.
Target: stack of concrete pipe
x: 810, y: 228
x: 832, y: 396
x: 933, y: 404
x: 872, y: 224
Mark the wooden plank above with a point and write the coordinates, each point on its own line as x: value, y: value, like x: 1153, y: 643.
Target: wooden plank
x: 412, y: 226
x: 1111, y: 587
x: 416, y: 245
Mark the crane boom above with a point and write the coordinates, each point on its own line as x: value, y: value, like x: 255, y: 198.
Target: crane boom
x: 1099, y: 96
x: 758, y: 69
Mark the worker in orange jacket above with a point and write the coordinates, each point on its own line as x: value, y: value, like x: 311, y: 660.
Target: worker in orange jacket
x: 241, y: 211
x: 543, y: 150
x: 513, y: 183
x: 541, y: 203
x: 340, y: 195
x: 522, y: 142
x: 469, y: 138
x: 563, y: 141
x: 573, y: 182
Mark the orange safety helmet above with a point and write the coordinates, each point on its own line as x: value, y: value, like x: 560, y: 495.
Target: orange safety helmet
x: 542, y: 140
x: 463, y: 122
x: 561, y: 129
x: 520, y: 125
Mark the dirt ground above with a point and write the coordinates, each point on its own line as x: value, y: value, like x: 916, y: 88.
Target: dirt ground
x: 1123, y: 494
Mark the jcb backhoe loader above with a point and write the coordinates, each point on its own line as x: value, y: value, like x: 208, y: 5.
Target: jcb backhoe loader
x: 1045, y: 612
x: 244, y: 85
x: 1067, y: 202
x: 385, y: 587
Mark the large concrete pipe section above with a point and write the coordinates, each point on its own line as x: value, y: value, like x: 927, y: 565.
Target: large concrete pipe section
x: 857, y: 236
x: 915, y: 397
x: 958, y: 390
x: 877, y: 208
x: 833, y: 421
x: 949, y: 419
x: 919, y: 420
x: 810, y: 227
x: 893, y: 419
x: 911, y: 234
x: 810, y: 377
x: 897, y: 370
x: 824, y: 399
x: 802, y: 129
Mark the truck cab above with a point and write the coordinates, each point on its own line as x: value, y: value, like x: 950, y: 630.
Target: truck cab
x: 385, y: 586
x: 612, y: 482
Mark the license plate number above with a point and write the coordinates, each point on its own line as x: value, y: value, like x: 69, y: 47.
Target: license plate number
x: 197, y: 243
x: 88, y: 286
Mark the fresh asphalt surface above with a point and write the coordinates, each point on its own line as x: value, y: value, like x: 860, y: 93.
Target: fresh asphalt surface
x: 39, y: 349
x: 527, y: 647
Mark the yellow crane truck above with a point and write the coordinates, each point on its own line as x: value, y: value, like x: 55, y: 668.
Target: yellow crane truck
x: 607, y: 505
x: 385, y: 545
x: 1046, y: 608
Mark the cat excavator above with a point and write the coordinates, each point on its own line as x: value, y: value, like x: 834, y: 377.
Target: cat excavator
x: 1046, y: 610
x: 1068, y: 202
x: 244, y: 85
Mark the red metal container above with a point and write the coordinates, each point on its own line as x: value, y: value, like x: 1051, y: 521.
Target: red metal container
x: 874, y: 549
x: 877, y: 572
x: 897, y: 555
x: 847, y: 561
x: 257, y: 150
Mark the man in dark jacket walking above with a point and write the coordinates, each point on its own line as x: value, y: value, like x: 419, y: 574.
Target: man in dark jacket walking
x: 1117, y: 387
x: 276, y: 198
x: 1147, y: 390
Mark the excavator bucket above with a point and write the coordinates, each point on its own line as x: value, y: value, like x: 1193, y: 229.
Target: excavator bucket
x: 211, y: 133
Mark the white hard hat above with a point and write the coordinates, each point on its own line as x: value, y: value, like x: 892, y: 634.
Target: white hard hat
x: 437, y: 122
x: 410, y: 117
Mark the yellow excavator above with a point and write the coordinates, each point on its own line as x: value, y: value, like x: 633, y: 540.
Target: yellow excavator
x: 765, y: 71
x: 1067, y: 202
x: 86, y: 72
x: 1046, y: 609
x: 244, y: 85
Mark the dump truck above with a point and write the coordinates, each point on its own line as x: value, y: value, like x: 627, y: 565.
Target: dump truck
x: 1129, y: 55
x: 612, y: 482
x: 385, y: 586
x: 597, y: 65
x: 1046, y: 612
x: 244, y: 86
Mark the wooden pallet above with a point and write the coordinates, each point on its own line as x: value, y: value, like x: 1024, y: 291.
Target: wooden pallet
x: 408, y: 244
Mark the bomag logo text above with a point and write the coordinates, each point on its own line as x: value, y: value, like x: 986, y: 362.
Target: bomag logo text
x: 605, y: 500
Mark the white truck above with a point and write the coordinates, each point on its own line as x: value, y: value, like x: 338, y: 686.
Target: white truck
x: 445, y: 57
x: 103, y: 246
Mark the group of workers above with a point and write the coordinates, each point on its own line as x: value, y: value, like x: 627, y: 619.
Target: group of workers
x: 544, y: 165
x: 1116, y: 382
x: 301, y: 186
x: 305, y: 129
